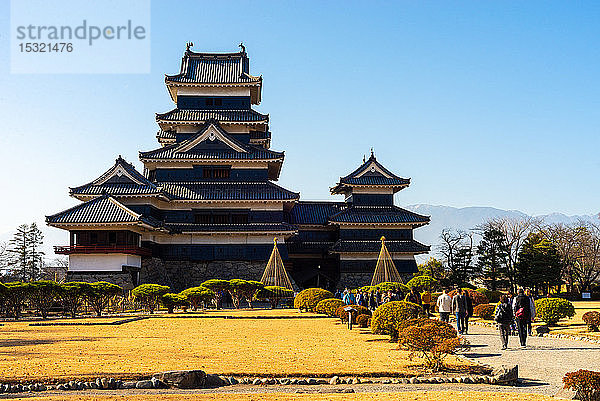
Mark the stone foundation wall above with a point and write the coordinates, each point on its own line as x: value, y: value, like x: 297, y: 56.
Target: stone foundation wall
x: 122, y: 279
x: 180, y: 275
x: 357, y: 279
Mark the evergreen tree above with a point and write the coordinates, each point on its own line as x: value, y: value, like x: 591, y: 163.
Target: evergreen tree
x: 36, y: 256
x: 539, y: 264
x: 25, y: 257
x: 492, y: 259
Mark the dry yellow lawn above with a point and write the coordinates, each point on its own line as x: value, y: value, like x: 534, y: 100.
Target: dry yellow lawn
x: 413, y: 396
x: 576, y: 325
x: 225, y: 346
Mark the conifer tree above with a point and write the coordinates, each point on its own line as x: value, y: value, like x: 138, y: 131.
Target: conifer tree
x: 492, y: 255
x: 539, y: 264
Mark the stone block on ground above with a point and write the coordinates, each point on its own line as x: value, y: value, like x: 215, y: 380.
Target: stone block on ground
x: 185, y: 379
x: 541, y: 330
x: 144, y: 384
x: 212, y: 381
x: 506, y: 374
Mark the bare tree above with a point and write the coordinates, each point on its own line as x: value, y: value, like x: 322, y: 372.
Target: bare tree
x: 579, y: 248
x: 457, y: 250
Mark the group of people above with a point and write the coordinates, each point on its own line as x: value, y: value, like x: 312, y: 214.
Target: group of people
x: 460, y: 305
x: 515, y: 313
x: 369, y: 300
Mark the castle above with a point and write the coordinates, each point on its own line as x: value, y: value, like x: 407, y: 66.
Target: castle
x: 206, y: 204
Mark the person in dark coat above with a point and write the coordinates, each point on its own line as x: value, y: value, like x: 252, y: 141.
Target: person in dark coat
x: 469, y: 303
x: 522, y: 310
x: 414, y: 296
x: 504, y: 318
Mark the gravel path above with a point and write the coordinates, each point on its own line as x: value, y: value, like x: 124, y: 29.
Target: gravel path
x: 542, y: 364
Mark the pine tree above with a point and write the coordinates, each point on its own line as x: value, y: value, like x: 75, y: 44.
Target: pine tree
x: 492, y: 259
x: 36, y: 256
x: 539, y: 264
x: 17, y: 248
x: 25, y: 257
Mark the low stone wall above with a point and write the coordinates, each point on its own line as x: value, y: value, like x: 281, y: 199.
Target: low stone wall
x: 180, y: 275
x: 357, y: 279
x: 122, y: 279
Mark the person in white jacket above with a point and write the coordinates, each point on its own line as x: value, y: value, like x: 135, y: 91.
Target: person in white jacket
x: 444, y: 305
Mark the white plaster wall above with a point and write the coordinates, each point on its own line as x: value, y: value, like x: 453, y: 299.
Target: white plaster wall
x: 102, y: 262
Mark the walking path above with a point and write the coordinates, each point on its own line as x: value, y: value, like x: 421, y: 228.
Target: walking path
x: 542, y: 364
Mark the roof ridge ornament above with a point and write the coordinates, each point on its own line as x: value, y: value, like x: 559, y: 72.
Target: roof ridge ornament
x: 188, y: 46
x: 242, y: 47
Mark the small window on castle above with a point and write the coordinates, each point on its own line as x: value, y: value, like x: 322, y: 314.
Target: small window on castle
x: 220, y: 219
x: 202, y: 218
x: 218, y: 102
x: 239, y: 218
x: 112, y: 238
x: 209, y: 102
x: 94, y: 238
x: 221, y: 173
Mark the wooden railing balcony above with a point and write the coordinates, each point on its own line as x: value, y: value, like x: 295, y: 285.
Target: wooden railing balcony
x: 128, y: 249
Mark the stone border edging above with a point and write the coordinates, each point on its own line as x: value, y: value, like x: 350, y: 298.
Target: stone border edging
x: 114, y: 323
x: 501, y: 376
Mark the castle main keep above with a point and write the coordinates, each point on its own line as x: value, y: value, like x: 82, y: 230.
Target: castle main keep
x: 206, y: 204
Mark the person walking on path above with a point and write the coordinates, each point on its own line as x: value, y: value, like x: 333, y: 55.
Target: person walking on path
x: 522, y: 310
x: 504, y: 318
x: 444, y: 305
x: 426, y: 300
x: 532, y: 309
x: 469, y: 310
x: 459, y: 308
x: 414, y: 296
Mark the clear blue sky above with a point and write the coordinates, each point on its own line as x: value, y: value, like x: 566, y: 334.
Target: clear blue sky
x: 480, y: 103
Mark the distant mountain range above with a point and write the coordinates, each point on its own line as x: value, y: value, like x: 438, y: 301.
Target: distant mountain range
x: 465, y: 218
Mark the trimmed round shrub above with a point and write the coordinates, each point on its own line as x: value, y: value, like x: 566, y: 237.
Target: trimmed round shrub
x: 100, y: 294
x: 592, y: 319
x: 343, y: 315
x: 422, y: 282
x: 388, y: 316
x: 149, y: 295
x: 274, y: 294
x: 551, y: 310
x: 308, y: 299
x: 363, y: 321
x: 420, y: 321
x: 477, y: 298
x: 329, y: 306
x: 432, y: 340
x: 485, y: 311
x: 585, y: 383
x: 492, y: 296
x: 171, y: 301
x: 197, y: 296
